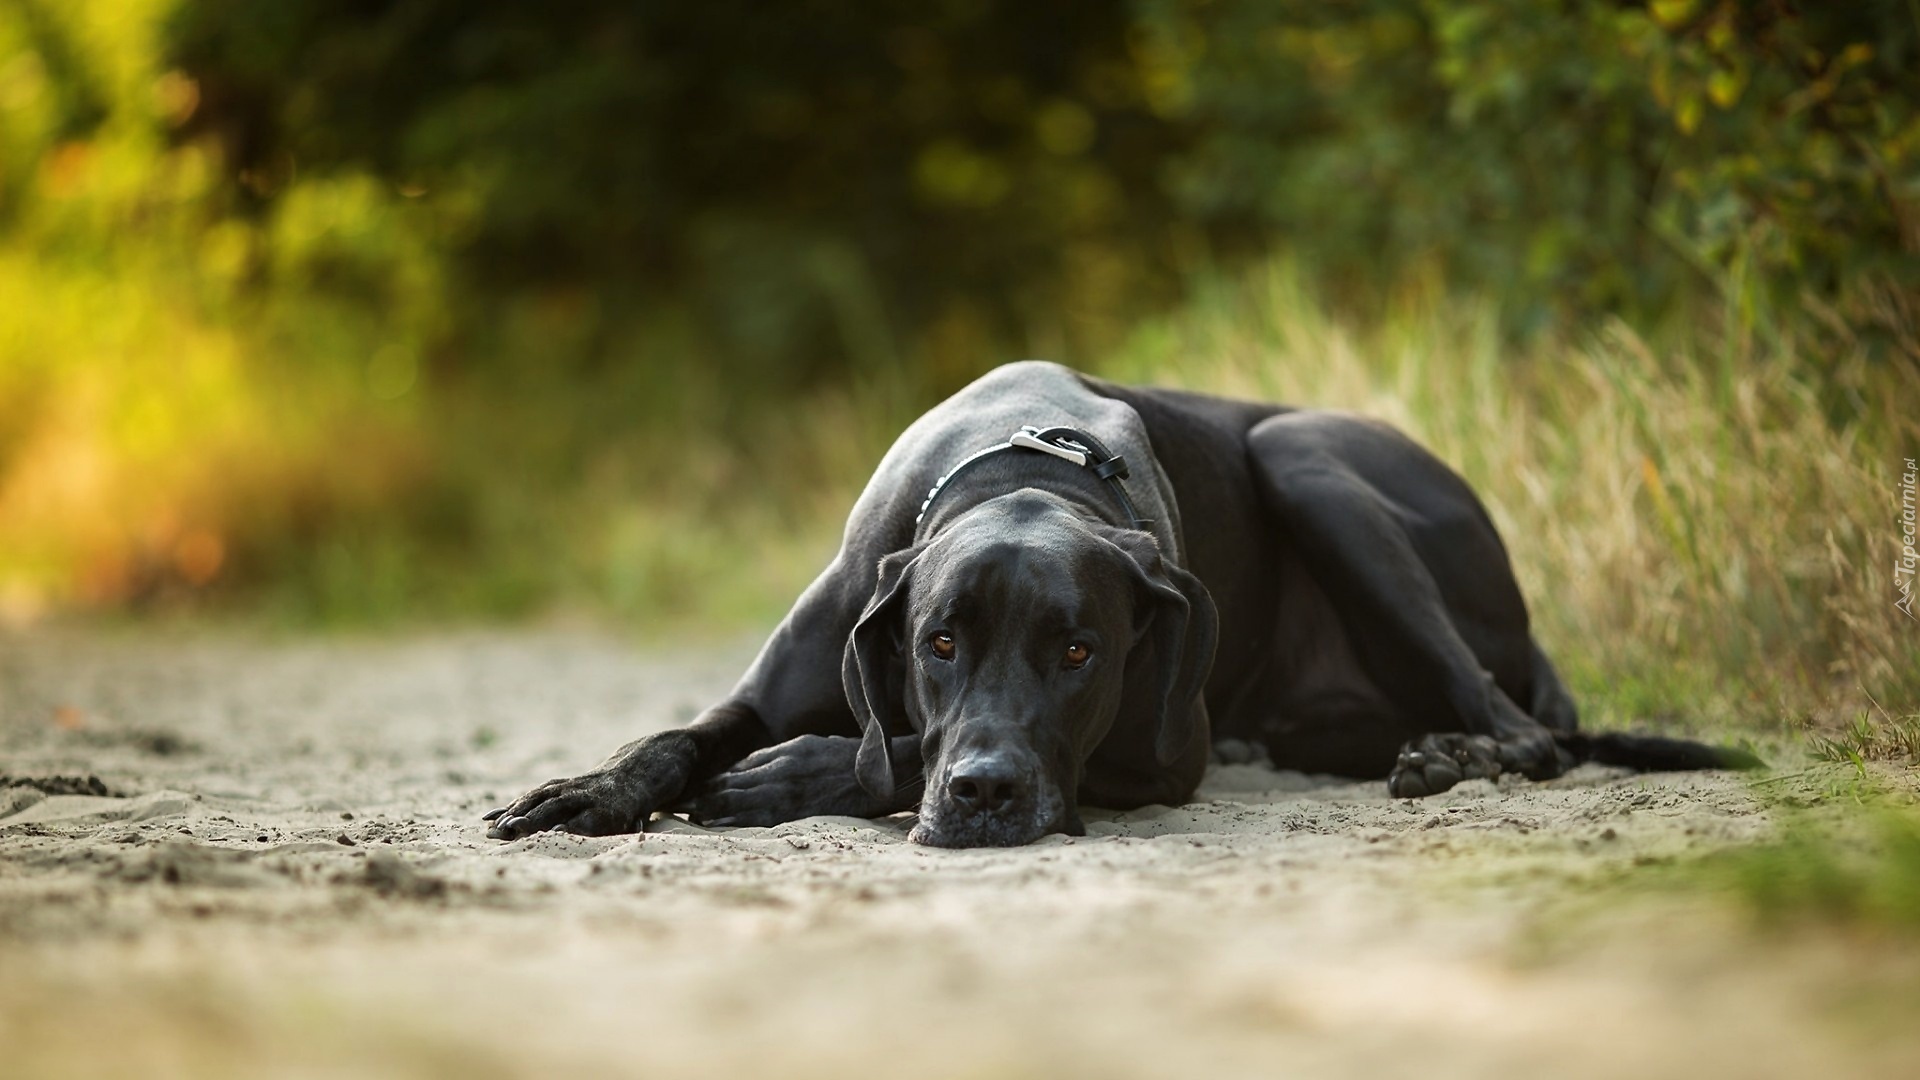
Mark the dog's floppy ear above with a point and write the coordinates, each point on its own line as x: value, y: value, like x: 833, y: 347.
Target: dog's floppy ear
x: 870, y: 671
x: 1181, y: 626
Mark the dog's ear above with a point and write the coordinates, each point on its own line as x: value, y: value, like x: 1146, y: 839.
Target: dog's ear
x: 870, y: 671
x: 1180, y: 625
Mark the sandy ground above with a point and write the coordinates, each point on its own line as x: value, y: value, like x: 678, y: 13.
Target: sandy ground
x: 281, y: 872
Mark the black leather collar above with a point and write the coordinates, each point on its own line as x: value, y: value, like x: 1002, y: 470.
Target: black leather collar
x: 1068, y: 444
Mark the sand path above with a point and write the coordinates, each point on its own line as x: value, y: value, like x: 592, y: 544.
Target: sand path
x: 286, y: 876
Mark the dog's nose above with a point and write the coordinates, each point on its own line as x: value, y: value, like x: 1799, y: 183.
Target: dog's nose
x: 985, y: 785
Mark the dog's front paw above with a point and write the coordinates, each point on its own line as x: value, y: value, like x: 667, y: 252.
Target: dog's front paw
x: 1433, y: 763
x: 802, y: 777
x: 617, y: 797
x: 588, y: 805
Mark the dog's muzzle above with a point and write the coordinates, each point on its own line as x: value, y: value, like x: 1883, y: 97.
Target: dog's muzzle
x: 988, y: 799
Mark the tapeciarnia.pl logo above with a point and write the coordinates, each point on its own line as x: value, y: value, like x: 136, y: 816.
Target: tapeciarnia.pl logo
x: 1904, y: 566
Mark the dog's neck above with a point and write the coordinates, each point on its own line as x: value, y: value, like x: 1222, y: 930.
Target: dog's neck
x: 1026, y: 456
x: 1060, y: 485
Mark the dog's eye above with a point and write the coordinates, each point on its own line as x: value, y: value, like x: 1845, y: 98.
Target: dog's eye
x: 942, y: 645
x: 1077, y: 656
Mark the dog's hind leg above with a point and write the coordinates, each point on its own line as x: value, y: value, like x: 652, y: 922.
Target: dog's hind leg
x: 1551, y: 704
x: 1422, y: 586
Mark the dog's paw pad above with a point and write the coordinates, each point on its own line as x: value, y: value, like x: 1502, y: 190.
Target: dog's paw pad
x: 1431, y: 765
x: 1239, y: 752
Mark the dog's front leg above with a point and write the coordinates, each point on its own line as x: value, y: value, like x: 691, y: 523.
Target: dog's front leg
x: 793, y: 688
x: 804, y: 777
x: 639, y: 778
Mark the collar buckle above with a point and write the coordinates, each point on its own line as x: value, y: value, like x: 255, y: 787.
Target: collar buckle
x: 1067, y: 444
x: 1028, y: 438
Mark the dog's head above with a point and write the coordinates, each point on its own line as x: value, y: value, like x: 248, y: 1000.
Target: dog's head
x: 1014, y: 642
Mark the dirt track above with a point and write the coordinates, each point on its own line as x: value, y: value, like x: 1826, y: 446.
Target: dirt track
x: 288, y: 877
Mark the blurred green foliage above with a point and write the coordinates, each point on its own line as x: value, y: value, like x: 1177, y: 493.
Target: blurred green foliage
x: 1579, y: 157
x: 377, y: 308
x: 815, y: 183
x: 801, y: 186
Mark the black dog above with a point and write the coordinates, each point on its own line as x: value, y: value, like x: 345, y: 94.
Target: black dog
x: 1058, y: 590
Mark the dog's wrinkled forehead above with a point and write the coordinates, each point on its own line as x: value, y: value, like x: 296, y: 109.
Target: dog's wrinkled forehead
x: 1019, y: 555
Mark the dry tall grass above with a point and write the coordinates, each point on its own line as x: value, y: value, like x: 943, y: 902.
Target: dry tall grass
x: 1707, y: 532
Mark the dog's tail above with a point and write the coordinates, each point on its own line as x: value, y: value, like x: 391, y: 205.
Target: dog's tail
x: 1653, y: 753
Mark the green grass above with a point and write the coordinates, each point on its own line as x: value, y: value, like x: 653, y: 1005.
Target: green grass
x: 1864, y: 873
x: 1845, y: 854
x: 1871, y: 738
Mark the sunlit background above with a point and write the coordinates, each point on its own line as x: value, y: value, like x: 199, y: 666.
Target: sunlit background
x: 322, y: 314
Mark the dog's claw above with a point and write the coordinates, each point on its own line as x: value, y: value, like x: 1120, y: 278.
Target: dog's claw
x: 512, y: 828
x: 493, y: 813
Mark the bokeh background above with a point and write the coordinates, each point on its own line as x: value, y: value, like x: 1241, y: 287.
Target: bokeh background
x: 365, y: 313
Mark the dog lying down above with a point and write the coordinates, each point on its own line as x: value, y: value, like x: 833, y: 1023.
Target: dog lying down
x: 1057, y: 590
